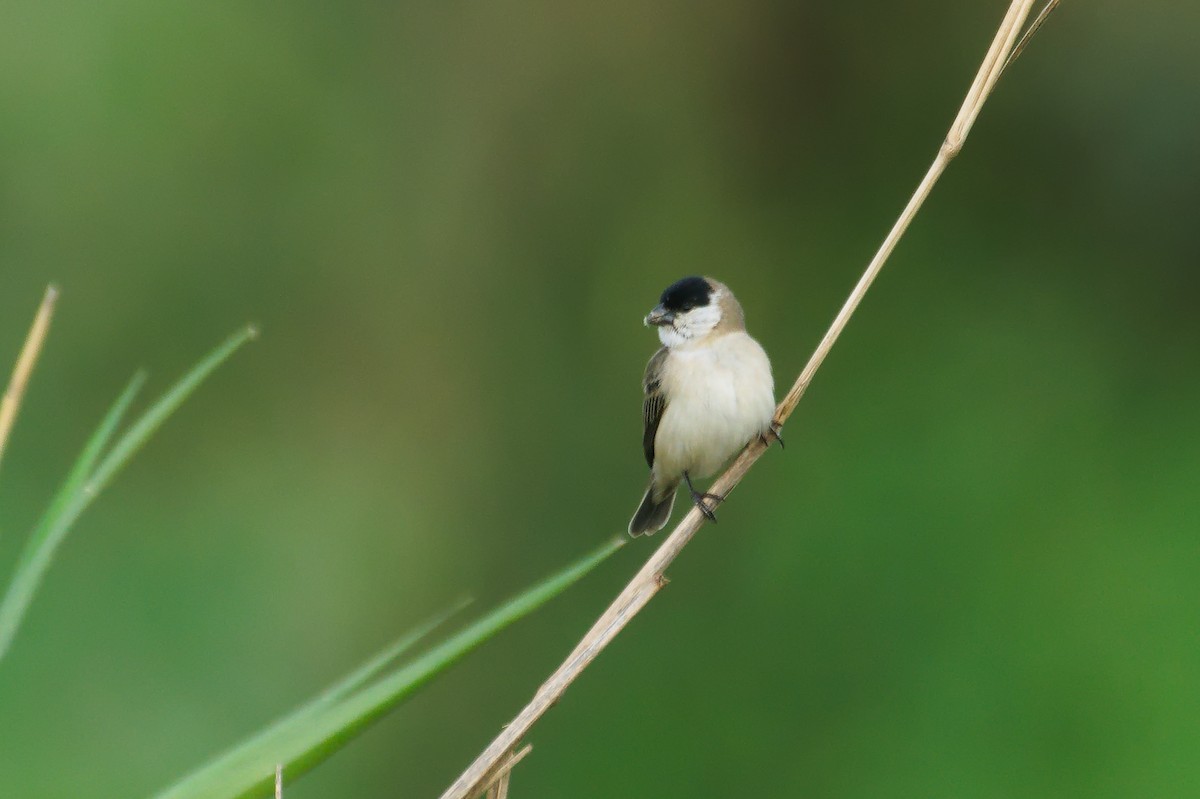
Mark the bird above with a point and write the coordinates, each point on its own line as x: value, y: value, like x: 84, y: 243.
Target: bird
x: 708, y: 391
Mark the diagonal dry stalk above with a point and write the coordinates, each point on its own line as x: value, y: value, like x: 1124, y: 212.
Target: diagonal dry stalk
x: 11, y: 401
x: 646, y: 583
x: 496, y: 785
x: 1030, y: 31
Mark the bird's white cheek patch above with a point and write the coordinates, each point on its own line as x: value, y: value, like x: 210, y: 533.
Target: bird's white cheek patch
x: 692, y: 325
x: 701, y: 321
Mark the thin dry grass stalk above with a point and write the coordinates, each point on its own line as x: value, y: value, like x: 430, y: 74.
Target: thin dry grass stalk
x: 11, y: 401
x: 646, y: 583
x: 1033, y: 28
x: 496, y: 786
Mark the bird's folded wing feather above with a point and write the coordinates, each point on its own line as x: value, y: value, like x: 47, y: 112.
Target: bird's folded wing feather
x: 654, y: 404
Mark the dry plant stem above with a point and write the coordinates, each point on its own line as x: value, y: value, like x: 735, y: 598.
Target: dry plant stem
x: 497, y: 784
x: 279, y: 781
x: 11, y: 401
x: 646, y: 583
x: 1033, y: 28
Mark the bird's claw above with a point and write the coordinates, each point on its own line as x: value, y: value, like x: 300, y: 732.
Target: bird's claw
x: 698, y: 499
x: 773, y: 432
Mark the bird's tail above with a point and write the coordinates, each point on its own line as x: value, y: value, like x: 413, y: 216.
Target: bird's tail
x: 653, y: 513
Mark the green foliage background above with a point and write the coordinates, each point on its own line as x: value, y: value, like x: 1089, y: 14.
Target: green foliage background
x: 973, y: 572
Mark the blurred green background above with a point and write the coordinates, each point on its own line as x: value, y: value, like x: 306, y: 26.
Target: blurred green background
x: 972, y: 573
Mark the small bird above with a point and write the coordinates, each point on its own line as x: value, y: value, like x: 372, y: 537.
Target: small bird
x: 708, y: 393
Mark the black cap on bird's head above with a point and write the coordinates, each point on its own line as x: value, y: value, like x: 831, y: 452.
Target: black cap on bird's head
x: 680, y: 297
x: 686, y: 294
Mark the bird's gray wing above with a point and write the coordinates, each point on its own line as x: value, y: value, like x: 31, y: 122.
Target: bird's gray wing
x: 654, y: 404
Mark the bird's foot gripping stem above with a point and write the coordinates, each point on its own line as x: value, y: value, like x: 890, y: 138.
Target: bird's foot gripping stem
x: 773, y: 433
x: 701, y: 499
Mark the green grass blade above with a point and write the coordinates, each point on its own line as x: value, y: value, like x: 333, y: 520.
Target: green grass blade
x: 246, y: 753
x: 141, y: 430
x: 64, y: 509
x: 85, y: 464
x: 84, y: 483
x: 306, y: 739
x: 375, y: 666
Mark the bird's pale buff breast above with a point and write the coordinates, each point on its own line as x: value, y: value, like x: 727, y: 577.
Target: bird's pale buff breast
x: 720, y: 396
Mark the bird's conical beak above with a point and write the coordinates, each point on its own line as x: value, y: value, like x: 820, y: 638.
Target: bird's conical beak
x: 659, y: 316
